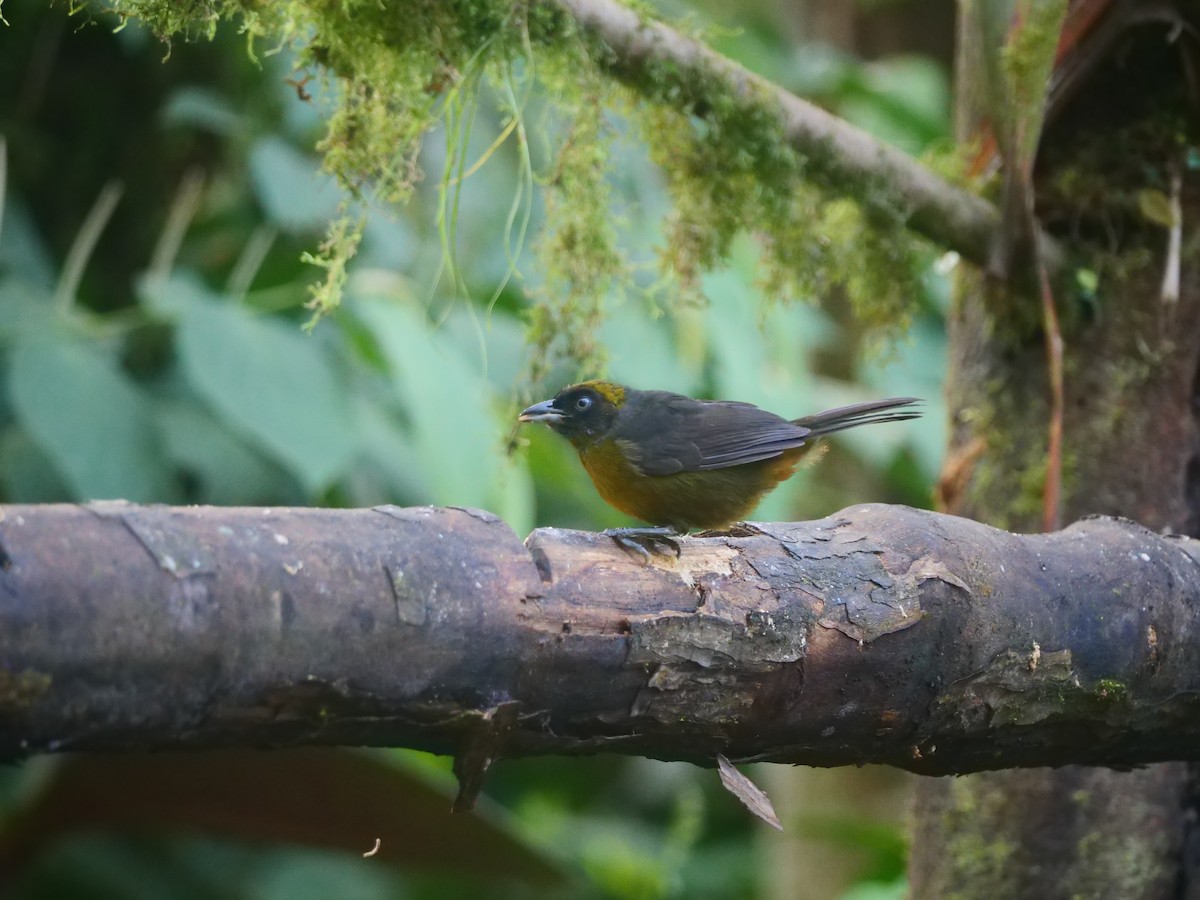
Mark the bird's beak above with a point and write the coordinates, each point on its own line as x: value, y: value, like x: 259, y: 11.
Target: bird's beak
x: 541, y: 412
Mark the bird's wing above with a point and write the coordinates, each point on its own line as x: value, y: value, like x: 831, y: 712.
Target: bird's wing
x: 669, y: 433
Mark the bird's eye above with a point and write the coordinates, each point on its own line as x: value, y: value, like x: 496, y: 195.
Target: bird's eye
x: 583, y: 404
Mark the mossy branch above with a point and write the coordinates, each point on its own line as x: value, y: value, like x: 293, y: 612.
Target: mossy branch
x: 659, y: 62
x: 834, y: 207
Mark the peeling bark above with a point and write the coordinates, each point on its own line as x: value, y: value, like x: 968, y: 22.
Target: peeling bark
x: 881, y: 634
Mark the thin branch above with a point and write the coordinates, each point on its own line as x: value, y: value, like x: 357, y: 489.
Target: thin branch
x: 1052, y: 487
x: 1052, y: 490
x: 881, y: 634
x: 85, y: 244
x: 841, y: 155
x: 250, y: 260
x: 183, y: 209
x: 3, y: 169
x: 1173, y: 264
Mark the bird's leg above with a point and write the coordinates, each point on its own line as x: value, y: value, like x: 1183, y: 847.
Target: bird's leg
x: 645, y: 541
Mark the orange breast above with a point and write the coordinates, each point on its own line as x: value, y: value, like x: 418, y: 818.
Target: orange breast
x: 685, y: 500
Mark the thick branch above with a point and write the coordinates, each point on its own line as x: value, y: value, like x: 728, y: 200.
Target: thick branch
x: 882, y: 634
x: 645, y: 52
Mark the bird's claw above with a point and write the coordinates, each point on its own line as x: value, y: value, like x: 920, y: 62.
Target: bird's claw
x: 644, y: 542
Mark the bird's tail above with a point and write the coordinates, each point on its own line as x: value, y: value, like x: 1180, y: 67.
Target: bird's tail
x: 859, y: 414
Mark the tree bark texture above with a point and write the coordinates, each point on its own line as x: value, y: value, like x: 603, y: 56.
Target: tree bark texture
x: 1131, y: 447
x: 881, y: 634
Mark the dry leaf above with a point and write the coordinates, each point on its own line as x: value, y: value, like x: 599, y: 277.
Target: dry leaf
x: 748, y: 792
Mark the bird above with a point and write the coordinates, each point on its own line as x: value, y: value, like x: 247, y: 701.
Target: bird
x: 682, y: 464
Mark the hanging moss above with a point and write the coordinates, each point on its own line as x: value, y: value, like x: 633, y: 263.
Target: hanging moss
x: 336, y: 251
x: 578, y: 248
x: 730, y: 168
x: 395, y: 72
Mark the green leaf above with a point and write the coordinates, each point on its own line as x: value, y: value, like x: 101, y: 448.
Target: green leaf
x: 25, y: 308
x: 294, y: 192
x: 22, y: 251
x: 758, y: 353
x: 307, y: 875
x: 388, y: 450
x: 455, y: 441
x: 273, y: 384
x: 916, y: 369
x: 205, y: 109
x: 170, y: 297
x: 229, y: 473
x: 91, y: 420
x: 500, y: 333
x: 451, y: 424
x: 877, y: 890
x: 641, y: 353
x: 512, y: 495
x: 26, y: 475
x: 903, y: 100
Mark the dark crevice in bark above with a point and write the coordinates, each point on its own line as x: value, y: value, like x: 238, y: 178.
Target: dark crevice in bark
x: 542, y: 562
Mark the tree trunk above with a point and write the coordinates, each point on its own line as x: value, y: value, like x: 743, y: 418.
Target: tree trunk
x: 1130, y: 449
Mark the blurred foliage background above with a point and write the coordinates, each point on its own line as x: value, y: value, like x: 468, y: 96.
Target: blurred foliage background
x: 156, y: 207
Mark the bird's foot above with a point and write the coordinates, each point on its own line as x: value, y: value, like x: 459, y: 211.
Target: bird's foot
x: 645, y: 542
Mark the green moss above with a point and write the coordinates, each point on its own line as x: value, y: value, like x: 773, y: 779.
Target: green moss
x: 730, y: 167
x: 727, y: 168
x: 1110, y: 691
x: 978, y: 857
x: 1120, y: 867
x: 1027, y: 59
x: 1014, y: 458
x: 1020, y: 689
x: 395, y: 74
x: 578, y: 246
x: 338, y: 248
x: 20, y: 690
x: 1031, y: 491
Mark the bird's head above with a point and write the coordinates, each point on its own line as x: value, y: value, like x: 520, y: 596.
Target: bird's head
x: 582, y: 413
